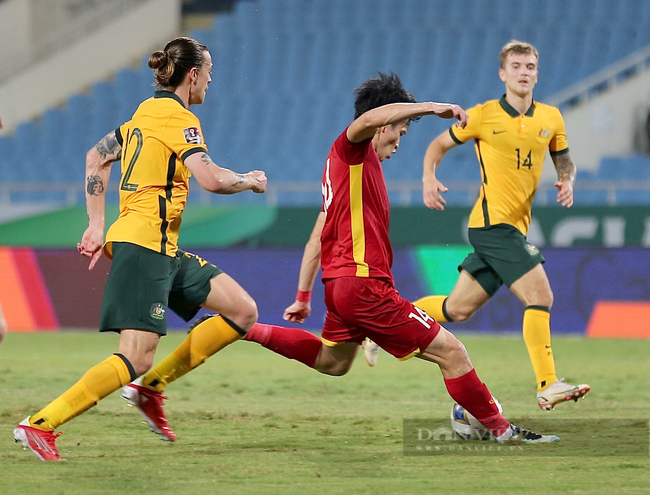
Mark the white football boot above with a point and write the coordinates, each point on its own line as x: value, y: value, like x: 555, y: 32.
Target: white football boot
x: 559, y: 392
x: 371, y: 352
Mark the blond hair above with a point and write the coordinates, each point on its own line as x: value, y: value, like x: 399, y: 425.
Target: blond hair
x: 516, y: 47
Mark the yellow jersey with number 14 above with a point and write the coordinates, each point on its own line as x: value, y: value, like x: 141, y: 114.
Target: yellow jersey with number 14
x: 153, y: 189
x: 511, y: 149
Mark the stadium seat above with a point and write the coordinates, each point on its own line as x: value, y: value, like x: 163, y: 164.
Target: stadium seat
x: 598, y: 39
x: 632, y: 197
x: 637, y: 167
x: 584, y: 192
x: 285, y: 72
x: 590, y: 197
x: 9, y: 170
x: 49, y: 161
x: 609, y: 168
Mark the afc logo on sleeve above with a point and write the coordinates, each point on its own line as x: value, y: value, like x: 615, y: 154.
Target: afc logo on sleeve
x: 193, y: 135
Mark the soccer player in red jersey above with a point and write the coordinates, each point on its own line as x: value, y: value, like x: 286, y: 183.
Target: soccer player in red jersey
x: 350, y: 240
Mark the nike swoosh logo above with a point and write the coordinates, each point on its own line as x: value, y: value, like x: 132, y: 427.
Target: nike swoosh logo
x: 498, y: 132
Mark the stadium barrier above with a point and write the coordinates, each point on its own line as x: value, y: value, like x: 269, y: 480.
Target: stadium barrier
x: 47, y: 289
x: 259, y: 226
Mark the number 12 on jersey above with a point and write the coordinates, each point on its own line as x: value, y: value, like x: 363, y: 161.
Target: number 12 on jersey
x: 126, y: 185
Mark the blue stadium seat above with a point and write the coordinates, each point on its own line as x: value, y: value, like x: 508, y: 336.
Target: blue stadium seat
x: 75, y: 139
x: 127, y: 94
x: 285, y: 71
x: 632, y: 197
x: 205, y: 36
x: 636, y: 167
x: 9, y: 170
x: 598, y: 39
x: 589, y: 197
x: 51, y: 165
x: 103, y: 104
x: 27, y: 163
x: 609, y: 168
x: 604, y: 12
x: 454, y: 169
x: 631, y: 11
x: 458, y: 197
x: 621, y: 168
x: 584, y: 194
x: 623, y: 42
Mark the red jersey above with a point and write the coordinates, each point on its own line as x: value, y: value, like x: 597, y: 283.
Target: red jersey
x: 355, y: 241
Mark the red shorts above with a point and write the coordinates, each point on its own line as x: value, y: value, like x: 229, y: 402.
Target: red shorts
x: 366, y: 307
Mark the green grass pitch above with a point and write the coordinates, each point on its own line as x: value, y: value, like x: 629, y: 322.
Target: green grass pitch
x: 251, y: 422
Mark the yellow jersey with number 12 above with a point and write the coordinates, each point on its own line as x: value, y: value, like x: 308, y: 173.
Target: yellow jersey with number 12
x: 511, y: 149
x: 153, y: 189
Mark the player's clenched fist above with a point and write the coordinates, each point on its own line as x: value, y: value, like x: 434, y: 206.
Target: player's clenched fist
x: 258, y: 181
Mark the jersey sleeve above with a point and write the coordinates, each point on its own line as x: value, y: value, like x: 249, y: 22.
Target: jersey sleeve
x: 471, y: 130
x: 183, y: 135
x: 351, y: 153
x: 559, y: 144
x: 120, y: 132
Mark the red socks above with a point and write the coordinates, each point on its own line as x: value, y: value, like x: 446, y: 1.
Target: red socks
x: 292, y: 343
x: 472, y: 394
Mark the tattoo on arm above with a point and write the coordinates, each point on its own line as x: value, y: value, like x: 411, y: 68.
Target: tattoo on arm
x: 566, y: 169
x: 205, y: 158
x: 239, y: 179
x: 94, y: 185
x: 109, y: 148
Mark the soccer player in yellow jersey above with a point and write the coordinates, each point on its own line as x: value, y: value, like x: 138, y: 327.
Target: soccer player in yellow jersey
x: 160, y: 148
x: 511, y: 137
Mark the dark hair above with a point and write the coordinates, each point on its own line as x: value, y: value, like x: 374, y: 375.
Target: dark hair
x: 176, y: 60
x: 379, y: 91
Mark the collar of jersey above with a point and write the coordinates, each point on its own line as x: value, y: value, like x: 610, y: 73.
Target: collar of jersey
x: 512, y: 112
x: 161, y: 93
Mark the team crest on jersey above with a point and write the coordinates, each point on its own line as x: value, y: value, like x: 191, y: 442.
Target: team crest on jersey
x: 158, y: 311
x: 544, y: 133
x: 193, y: 135
x: 532, y: 250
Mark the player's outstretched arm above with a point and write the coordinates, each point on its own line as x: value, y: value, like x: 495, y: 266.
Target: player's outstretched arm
x: 365, y: 126
x: 219, y: 180
x: 566, y: 178
x: 301, y: 307
x: 99, y: 160
x: 432, y: 188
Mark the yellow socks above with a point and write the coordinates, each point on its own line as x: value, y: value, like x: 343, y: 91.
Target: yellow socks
x: 205, y: 339
x: 537, y: 336
x: 434, y: 306
x: 98, y: 382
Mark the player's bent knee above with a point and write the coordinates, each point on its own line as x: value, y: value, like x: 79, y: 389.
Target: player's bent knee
x: 334, y: 367
x: 336, y: 370
x: 460, y: 315
x: 458, y: 353
x: 245, y: 315
x: 544, y: 299
x: 250, y: 316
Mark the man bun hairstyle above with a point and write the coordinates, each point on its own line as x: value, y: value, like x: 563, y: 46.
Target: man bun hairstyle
x: 178, y: 57
x: 516, y: 47
x: 378, y: 91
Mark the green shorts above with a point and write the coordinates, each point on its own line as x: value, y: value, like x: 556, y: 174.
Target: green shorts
x: 143, y: 284
x: 501, y: 255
